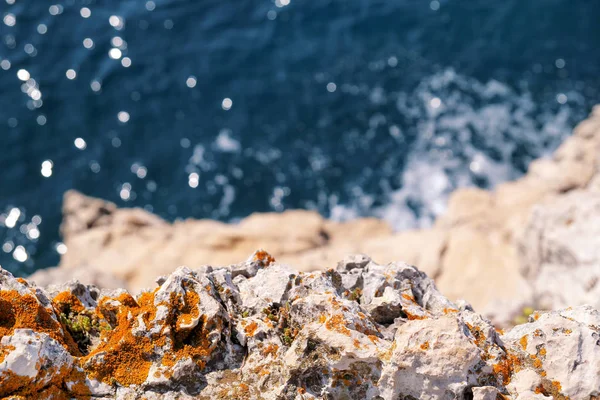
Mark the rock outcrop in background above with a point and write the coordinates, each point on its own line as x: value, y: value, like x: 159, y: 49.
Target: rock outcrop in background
x: 261, y: 330
x: 532, y: 242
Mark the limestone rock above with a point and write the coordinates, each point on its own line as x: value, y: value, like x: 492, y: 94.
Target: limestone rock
x: 90, y: 276
x: 560, y: 351
x: 262, y: 330
x: 560, y: 251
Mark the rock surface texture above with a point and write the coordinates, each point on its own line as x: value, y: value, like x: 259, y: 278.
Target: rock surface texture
x: 501, y: 250
x: 261, y: 330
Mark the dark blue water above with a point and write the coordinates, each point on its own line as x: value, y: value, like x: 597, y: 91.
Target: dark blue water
x: 216, y: 109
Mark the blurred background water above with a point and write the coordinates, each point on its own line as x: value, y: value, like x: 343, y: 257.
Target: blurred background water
x: 217, y: 109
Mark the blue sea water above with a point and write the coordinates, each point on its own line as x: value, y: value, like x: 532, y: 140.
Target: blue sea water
x: 217, y: 109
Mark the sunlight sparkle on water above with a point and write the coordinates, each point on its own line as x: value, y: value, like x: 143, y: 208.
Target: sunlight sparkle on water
x: 12, y: 218
x: 116, y: 22
x: 47, y: 168
x: 561, y: 98
x: 80, y: 143
x: 123, y: 116
x: 61, y: 248
x: 23, y: 75
x: 226, y: 103
x: 20, y: 254
x: 193, y: 180
x: 114, y: 53
x: 191, y: 82
x: 10, y: 20
x: 96, y: 86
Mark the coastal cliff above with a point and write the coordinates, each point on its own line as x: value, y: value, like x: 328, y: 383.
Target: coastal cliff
x: 262, y: 330
x: 502, y: 250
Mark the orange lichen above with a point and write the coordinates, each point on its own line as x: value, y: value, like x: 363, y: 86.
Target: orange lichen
x: 450, y: 310
x: 337, y: 323
x: 24, y: 311
x: 411, y: 316
x: 126, y: 358
x: 542, y: 352
x: 67, y: 300
x: 188, y: 309
x: 76, y: 384
x: 322, y: 318
x: 523, y: 342
x: 55, y: 393
x: 425, y: 346
x: 539, y: 389
x: 301, y: 390
x: 509, y: 365
x: 4, y: 351
x: 263, y: 258
x: 408, y: 297
x: 537, y: 363
x: 250, y: 329
x: 557, y: 385
x: 127, y: 300
x: 478, y: 334
x: 356, y: 343
x: 270, y: 350
x: 13, y: 384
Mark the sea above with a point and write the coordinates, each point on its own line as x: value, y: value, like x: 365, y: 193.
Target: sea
x: 221, y: 108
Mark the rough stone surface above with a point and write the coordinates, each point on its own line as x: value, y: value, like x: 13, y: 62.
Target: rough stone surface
x: 560, y: 251
x: 262, y: 330
x: 482, y: 249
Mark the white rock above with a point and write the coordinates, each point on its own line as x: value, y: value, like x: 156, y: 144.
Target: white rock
x: 566, y: 345
x: 34, y: 355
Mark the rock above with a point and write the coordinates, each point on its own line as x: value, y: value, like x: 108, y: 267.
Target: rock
x: 31, y: 361
x: 90, y: 276
x: 560, y: 251
x: 486, y: 393
x: 560, y: 352
x: 262, y: 330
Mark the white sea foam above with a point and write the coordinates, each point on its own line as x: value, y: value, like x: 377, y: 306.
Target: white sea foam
x: 226, y: 143
x: 466, y: 133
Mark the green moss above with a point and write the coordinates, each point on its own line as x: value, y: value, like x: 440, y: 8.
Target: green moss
x: 287, y: 338
x: 524, y: 316
x: 355, y: 294
x: 82, y: 327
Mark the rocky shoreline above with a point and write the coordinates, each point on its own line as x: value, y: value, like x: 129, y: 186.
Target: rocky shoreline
x: 262, y: 330
x: 531, y: 243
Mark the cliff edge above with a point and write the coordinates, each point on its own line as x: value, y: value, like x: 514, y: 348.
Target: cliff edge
x: 262, y: 330
x: 533, y: 242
